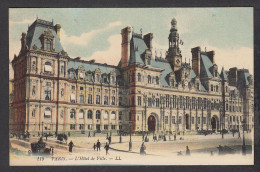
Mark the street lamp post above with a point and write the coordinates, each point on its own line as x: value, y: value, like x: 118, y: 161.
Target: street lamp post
x: 42, y: 128
x: 130, y: 141
x: 244, y: 145
x: 177, y: 120
x: 196, y: 106
x: 184, y: 115
x: 145, y: 109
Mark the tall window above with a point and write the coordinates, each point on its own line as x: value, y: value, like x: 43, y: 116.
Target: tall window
x: 120, y: 101
x: 97, y: 78
x: 172, y: 82
x: 105, y: 115
x: 193, y: 103
x: 47, y: 95
x: 72, y: 114
x: 180, y: 120
x: 47, y: 45
x: 47, y: 113
x: 81, y: 98
x: 81, y: 114
x: 89, y: 114
x: 167, y: 100
x: 166, y: 119
x: 139, y: 77
x: 72, y: 98
x: 139, y: 100
x: 48, y: 67
x: 113, y: 102
x: 89, y: 99
x: 157, y: 102
x: 216, y: 88
x: 98, y: 114
x: 112, y: 79
x: 120, y: 115
x: 33, y: 90
x: 211, y: 87
x: 105, y: 100
x: 149, y: 79
x: 157, y: 80
x: 150, y: 102
x: 113, y: 115
x: 173, y: 119
x: 97, y: 99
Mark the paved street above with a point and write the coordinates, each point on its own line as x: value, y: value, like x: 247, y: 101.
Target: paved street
x: 161, y: 152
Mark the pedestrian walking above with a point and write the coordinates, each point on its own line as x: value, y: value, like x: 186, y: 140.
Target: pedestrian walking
x: 89, y: 134
x: 239, y: 135
x: 98, y: 145
x: 109, y: 139
x: 142, y: 149
x: 174, y: 137
x: 94, y: 146
x: 70, y: 146
x: 187, y: 150
x: 106, y: 148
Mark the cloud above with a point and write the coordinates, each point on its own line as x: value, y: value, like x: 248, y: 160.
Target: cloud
x: 85, y: 38
x: 25, y: 21
x: 111, y: 55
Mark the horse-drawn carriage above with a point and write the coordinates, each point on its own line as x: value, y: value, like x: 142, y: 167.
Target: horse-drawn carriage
x: 40, y: 148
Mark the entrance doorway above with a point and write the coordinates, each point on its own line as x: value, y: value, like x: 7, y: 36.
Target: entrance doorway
x: 187, y: 121
x: 213, y: 123
x: 98, y: 128
x: 151, y: 123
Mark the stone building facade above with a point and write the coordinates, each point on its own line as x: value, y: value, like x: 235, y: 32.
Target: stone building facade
x: 53, y: 92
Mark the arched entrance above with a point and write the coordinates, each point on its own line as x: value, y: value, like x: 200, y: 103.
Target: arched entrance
x: 213, y: 124
x: 187, y: 121
x: 151, y: 123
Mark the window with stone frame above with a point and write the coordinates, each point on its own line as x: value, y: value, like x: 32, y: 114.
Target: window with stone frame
x: 173, y: 120
x: 139, y: 77
x: 139, y: 100
x: 105, y: 127
x: 157, y: 80
x: 89, y: 98
x: 89, y: 114
x: 98, y: 114
x: 105, y: 100
x: 157, y: 102
x: 166, y: 119
x: 120, y: 115
x: 72, y: 126
x: 149, y: 79
x: 72, y: 113
x: 47, y: 94
x: 97, y: 99
x: 48, y: 67
x: 47, y: 113
x: 113, y: 100
x: 81, y: 98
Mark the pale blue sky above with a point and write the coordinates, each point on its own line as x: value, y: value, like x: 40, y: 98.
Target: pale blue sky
x: 95, y: 33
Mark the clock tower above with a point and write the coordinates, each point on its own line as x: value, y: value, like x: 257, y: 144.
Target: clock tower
x: 174, y: 56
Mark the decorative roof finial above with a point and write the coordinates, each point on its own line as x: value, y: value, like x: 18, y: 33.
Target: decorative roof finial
x: 205, y: 49
x: 155, y: 52
x: 37, y: 16
x: 185, y: 60
x: 161, y: 53
x: 133, y: 28
x: 141, y: 31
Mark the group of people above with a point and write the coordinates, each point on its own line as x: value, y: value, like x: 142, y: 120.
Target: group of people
x: 98, y: 145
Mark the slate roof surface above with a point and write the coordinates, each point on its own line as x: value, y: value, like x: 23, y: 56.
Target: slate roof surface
x: 36, y: 30
x: 93, y: 66
x: 206, y: 64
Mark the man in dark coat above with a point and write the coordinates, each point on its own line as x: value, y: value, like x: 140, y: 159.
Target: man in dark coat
x: 98, y: 145
x: 187, y: 150
x: 142, y: 149
x: 106, y: 148
x: 70, y: 146
x: 109, y: 139
x: 174, y: 137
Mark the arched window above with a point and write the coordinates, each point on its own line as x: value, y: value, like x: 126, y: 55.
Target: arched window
x: 97, y: 114
x: 139, y: 77
x: 157, y: 80
x: 47, y: 45
x: 47, y: 113
x: 81, y: 114
x: 72, y: 114
x: 149, y: 79
x: 106, y: 115
x: 113, y: 115
x: 89, y: 114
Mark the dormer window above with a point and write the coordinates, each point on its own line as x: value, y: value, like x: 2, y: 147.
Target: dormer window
x: 97, y: 78
x: 149, y: 79
x: 172, y: 82
x: 81, y: 75
x: 47, y: 40
x: 157, y: 80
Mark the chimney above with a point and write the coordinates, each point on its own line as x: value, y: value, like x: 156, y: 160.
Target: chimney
x: 57, y: 29
x: 126, y: 37
x: 233, y: 76
x: 196, y: 60
x: 148, y: 40
x: 211, y: 55
x: 23, y: 41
